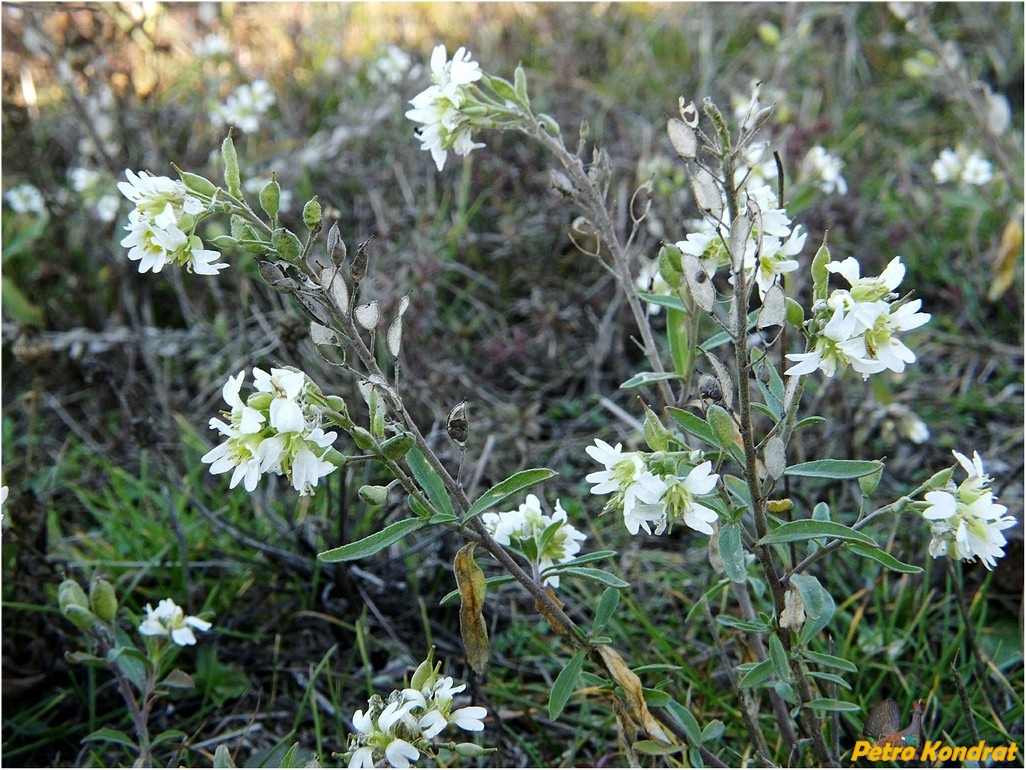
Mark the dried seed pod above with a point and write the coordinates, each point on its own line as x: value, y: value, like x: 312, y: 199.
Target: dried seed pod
x: 456, y: 424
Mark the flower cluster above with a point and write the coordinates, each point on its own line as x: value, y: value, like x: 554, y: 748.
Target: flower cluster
x: 276, y: 430
x: 967, y: 168
x: 25, y: 199
x: 649, y: 493
x: 392, y: 67
x: 398, y: 730
x: 965, y: 521
x: 170, y: 620
x: 769, y: 250
x: 161, y: 228
x: 824, y: 170
x: 244, y: 106
x: 858, y: 327
x: 545, y: 540
x: 440, y: 108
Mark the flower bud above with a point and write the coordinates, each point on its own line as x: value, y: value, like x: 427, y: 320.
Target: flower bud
x: 103, y: 600
x: 260, y: 401
x: 312, y: 214
x: 270, y: 198
x: 373, y: 494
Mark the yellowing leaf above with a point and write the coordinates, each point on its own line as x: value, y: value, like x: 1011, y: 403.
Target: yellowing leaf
x: 471, y: 583
x: 1005, y: 260
x: 631, y: 685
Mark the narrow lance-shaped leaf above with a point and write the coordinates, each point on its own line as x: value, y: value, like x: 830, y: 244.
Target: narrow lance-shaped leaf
x: 370, y: 545
x: 732, y: 552
x: 834, y: 469
x: 564, y: 685
x: 471, y: 583
x: 807, y: 529
x: 884, y: 558
x: 505, y: 489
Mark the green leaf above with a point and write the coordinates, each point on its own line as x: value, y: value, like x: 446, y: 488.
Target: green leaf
x: 884, y: 558
x: 722, y: 338
x: 834, y: 469
x: 839, y: 681
x: 588, y: 558
x: 18, y: 305
x: 369, y: 546
x: 693, y: 425
x: 830, y: 661
x: 222, y: 759
x: 738, y: 488
x: 651, y: 748
x: 722, y: 425
x: 132, y: 663
x: 167, y: 735
x: 429, y: 480
x: 642, y: 379
x: 751, y: 626
x: 681, y: 350
x: 424, y: 513
x: 663, y: 300
x: 807, y: 529
x: 712, y: 731
x: 779, y: 659
x: 757, y: 674
x: 564, y: 685
x: 812, y: 420
x: 819, y: 605
x: 830, y: 704
x: 606, y: 607
x: 732, y: 552
x: 506, y: 489
x: 589, y: 573
x: 686, y: 720
x: 654, y: 698
x: 110, y: 735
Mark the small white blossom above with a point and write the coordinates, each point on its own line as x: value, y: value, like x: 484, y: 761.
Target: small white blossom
x: 825, y: 170
x: 439, y: 108
x: 392, y: 67
x: 245, y: 106
x: 276, y: 430
x: 965, y: 521
x: 398, y: 730
x: 969, y: 169
x: 210, y: 47
x: 524, y: 529
x: 636, y: 488
x: 25, y: 199
x: 170, y: 620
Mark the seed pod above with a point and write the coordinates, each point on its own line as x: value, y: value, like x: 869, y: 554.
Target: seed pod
x: 80, y: 616
x: 103, y: 600
x: 363, y: 438
x: 270, y: 197
x: 232, y: 178
x: 398, y: 447
x: 195, y: 183
x: 373, y: 494
x: 456, y: 424
x: 336, y: 246
x: 709, y: 388
x: 70, y: 594
x: 287, y: 244
x: 312, y: 214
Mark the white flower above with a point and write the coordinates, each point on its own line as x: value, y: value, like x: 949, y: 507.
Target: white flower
x: 245, y: 106
x: 977, y: 171
x: 391, y: 67
x: 638, y: 490
x: 362, y: 757
x: 276, y: 430
x: 469, y: 718
x: 966, y: 522
x: 947, y: 167
x: 25, y: 199
x: 525, y: 528
x: 400, y: 753
x: 681, y: 494
x: 170, y: 620
x: 161, y: 227
x: 211, y: 47
x: 444, y: 126
x: 825, y: 170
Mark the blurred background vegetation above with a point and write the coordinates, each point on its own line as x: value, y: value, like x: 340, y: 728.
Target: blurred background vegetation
x: 109, y: 377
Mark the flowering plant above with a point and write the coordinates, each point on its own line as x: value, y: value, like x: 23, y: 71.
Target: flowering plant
x: 718, y: 462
